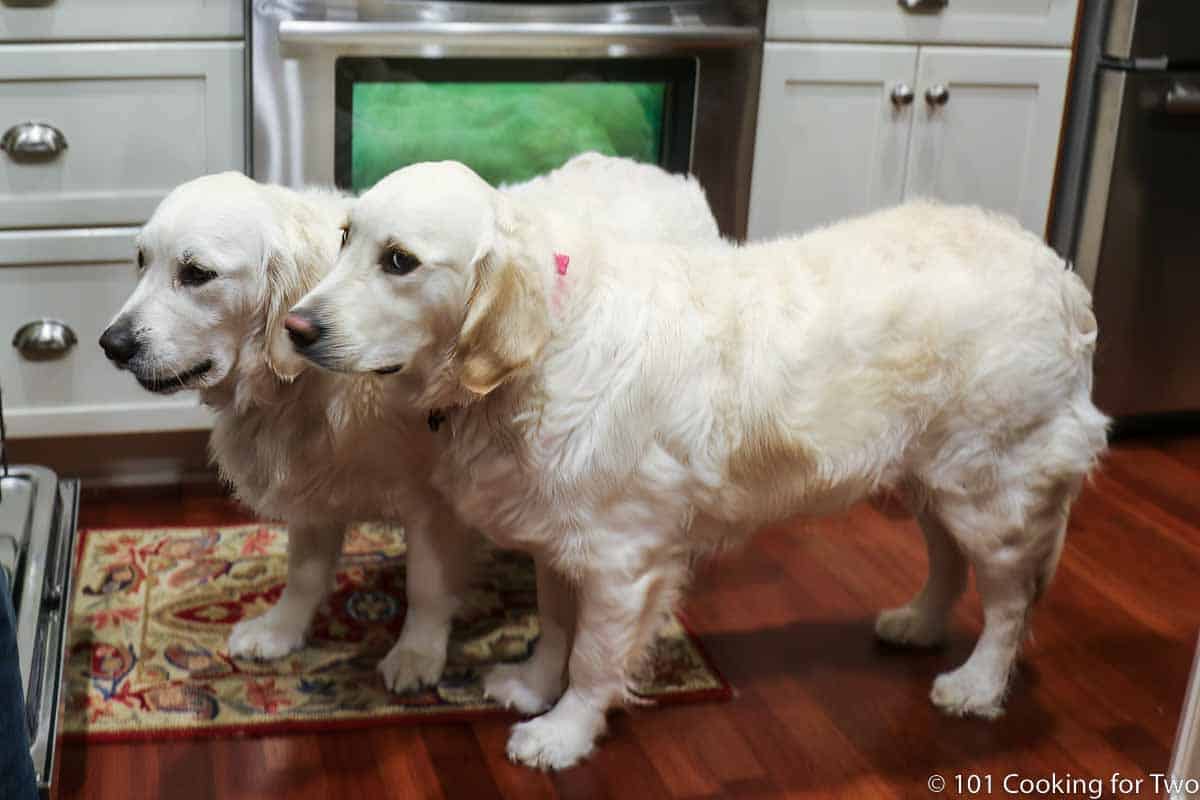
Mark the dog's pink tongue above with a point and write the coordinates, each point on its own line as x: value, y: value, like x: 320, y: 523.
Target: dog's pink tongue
x: 561, y: 260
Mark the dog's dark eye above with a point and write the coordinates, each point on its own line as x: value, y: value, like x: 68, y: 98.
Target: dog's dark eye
x: 399, y: 262
x: 141, y: 260
x: 345, y: 236
x: 192, y: 275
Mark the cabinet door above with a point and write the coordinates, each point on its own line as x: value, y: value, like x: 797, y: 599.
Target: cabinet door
x: 993, y: 142
x: 994, y: 22
x: 831, y: 141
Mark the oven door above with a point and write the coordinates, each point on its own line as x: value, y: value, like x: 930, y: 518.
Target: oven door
x: 345, y: 92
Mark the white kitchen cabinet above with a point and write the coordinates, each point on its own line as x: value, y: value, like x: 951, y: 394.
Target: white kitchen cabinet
x: 1049, y: 23
x: 831, y: 142
x: 137, y: 119
x: 994, y: 141
x: 78, y: 278
x: 121, y: 19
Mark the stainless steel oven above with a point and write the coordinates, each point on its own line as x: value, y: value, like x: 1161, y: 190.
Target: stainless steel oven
x: 345, y: 91
x: 37, y: 542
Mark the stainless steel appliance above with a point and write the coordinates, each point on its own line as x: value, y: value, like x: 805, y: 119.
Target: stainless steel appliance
x: 344, y: 91
x: 1129, y: 211
x: 37, y: 540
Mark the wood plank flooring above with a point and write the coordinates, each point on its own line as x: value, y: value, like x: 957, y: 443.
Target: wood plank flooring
x: 821, y: 709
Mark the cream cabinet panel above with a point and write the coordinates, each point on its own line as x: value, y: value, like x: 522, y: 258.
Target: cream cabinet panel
x: 1009, y: 22
x: 993, y: 140
x: 136, y: 119
x: 121, y: 19
x: 80, y: 278
x: 831, y: 140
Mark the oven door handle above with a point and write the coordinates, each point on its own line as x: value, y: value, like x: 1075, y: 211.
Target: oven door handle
x: 421, y: 37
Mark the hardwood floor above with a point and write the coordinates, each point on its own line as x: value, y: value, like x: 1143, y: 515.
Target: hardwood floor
x: 821, y: 709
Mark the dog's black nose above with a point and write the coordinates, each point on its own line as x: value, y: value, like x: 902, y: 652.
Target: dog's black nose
x: 120, y: 343
x: 304, y: 331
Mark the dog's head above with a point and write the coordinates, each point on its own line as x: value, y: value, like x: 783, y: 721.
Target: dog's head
x: 434, y: 279
x: 220, y: 262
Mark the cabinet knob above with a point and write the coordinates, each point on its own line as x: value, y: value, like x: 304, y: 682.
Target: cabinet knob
x: 902, y: 94
x: 923, y: 5
x: 44, y: 339
x: 937, y: 95
x: 33, y: 140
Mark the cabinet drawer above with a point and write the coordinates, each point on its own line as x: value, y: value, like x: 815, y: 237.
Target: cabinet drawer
x: 120, y: 19
x: 80, y: 278
x: 1016, y: 22
x: 136, y: 119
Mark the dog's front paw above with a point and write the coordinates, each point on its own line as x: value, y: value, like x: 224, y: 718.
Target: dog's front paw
x: 522, y: 686
x: 264, y: 638
x: 551, y: 742
x: 908, y: 627
x: 969, y: 692
x: 406, y: 670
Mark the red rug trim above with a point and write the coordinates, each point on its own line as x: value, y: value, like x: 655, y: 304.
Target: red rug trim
x: 298, y: 726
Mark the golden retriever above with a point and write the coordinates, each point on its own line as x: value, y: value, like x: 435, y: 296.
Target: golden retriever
x: 616, y: 407
x: 221, y: 260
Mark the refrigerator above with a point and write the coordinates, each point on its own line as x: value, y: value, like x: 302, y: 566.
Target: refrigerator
x: 1128, y: 205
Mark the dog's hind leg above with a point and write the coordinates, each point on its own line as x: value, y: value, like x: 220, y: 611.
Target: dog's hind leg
x: 313, y: 552
x: 532, y: 685
x: 437, y: 570
x: 922, y: 621
x: 1013, y: 561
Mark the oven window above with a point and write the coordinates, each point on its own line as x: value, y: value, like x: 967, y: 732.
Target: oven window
x: 509, y: 120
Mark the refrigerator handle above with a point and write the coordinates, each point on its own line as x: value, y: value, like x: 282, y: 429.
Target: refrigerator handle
x: 1146, y: 64
x: 1182, y: 98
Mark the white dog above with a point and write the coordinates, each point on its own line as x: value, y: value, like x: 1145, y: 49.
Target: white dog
x: 222, y: 260
x: 615, y: 408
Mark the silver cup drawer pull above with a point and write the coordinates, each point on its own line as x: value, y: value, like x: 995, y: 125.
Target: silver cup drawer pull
x: 33, y: 141
x: 926, y: 6
x: 44, y: 339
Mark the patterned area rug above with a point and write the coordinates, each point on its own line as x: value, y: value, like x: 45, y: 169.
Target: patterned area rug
x: 153, y: 609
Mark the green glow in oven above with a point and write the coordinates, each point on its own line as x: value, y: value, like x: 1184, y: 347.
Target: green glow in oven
x: 507, y: 132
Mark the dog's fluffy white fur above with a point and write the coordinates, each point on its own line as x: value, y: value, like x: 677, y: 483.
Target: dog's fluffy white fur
x: 314, y: 449
x: 660, y: 401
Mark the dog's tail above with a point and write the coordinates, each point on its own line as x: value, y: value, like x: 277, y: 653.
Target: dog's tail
x: 1077, y: 303
x: 1082, y: 432
x: 1092, y: 421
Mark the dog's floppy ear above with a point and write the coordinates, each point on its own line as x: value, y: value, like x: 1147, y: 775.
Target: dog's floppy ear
x: 507, y: 321
x: 284, y: 288
x: 294, y: 264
